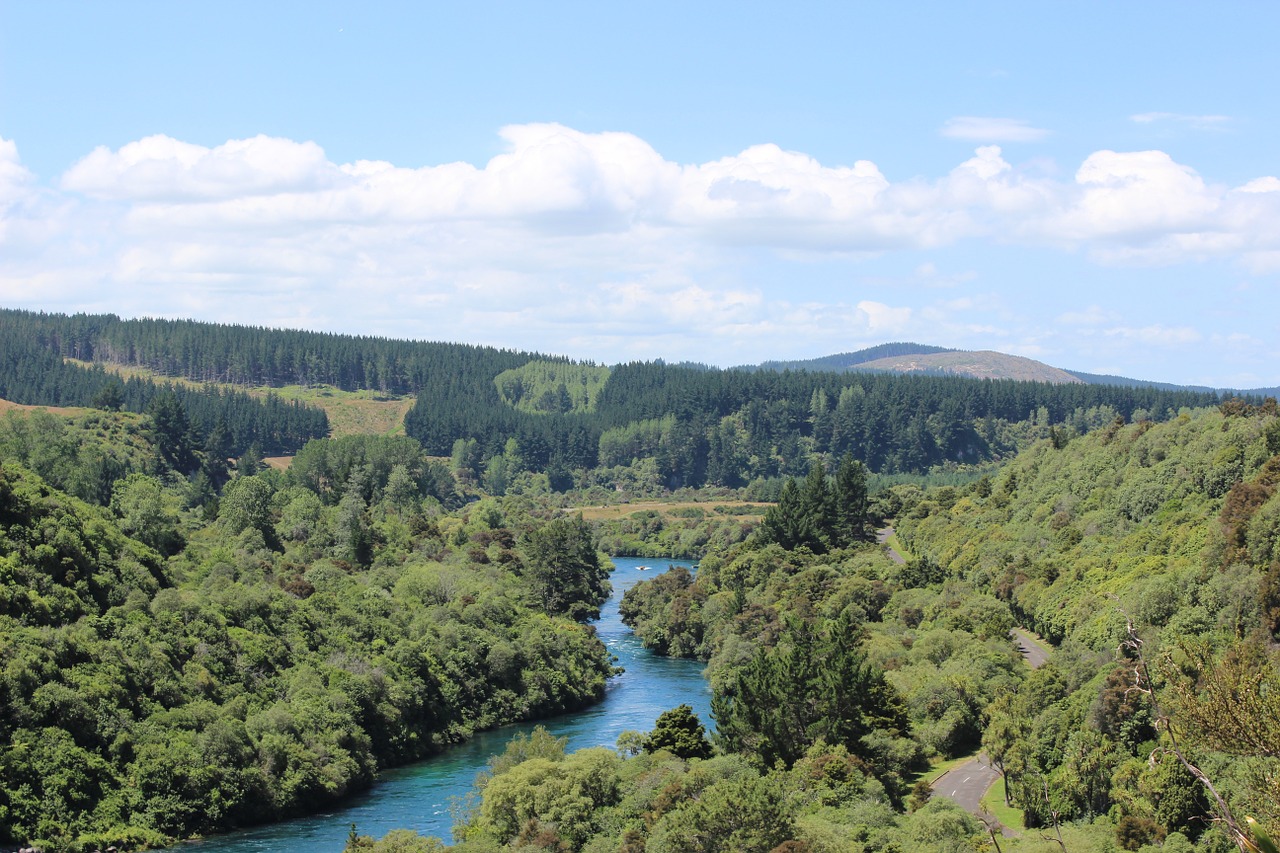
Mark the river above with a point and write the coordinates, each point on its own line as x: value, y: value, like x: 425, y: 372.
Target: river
x: 418, y: 796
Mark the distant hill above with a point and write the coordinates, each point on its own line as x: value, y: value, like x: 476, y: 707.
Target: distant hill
x: 901, y: 357
x: 1127, y: 382
x: 982, y: 364
x: 923, y: 359
x: 846, y: 360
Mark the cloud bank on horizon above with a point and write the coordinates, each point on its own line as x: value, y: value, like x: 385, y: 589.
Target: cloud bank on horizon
x: 595, y: 245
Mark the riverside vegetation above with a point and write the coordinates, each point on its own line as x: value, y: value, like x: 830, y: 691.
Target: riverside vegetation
x: 177, y: 662
x: 191, y: 645
x: 1147, y: 553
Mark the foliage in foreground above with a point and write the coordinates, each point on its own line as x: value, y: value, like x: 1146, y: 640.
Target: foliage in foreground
x: 1174, y: 527
x: 173, y: 665
x: 536, y: 797
x: 1171, y: 528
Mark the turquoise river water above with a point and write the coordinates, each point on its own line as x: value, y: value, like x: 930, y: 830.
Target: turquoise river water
x: 418, y: 796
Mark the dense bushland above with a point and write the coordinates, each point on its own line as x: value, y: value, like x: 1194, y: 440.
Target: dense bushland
x: 1146, y: 552
x: 1172, y: 527
x: 177, y: 663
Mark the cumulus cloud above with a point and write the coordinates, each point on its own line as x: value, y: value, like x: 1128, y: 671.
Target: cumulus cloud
x: 987, y: 129
x: 14, y: 177
x: 881, y: 318
x: 565, y: 229
x: 163, y: 168
x: 1269, y: 184
x: 1134, y: 193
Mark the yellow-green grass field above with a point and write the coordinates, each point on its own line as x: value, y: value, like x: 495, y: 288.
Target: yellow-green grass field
x: 349, y: 412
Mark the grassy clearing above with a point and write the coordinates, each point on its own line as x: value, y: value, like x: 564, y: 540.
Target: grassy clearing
x: 993, y: 801
x: 672, y: 509
x: 349, y: 412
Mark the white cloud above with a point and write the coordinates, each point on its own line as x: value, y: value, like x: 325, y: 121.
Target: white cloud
x: 1157, y: 335
x: 14, y: 177
x: 1137, y: 193
x: 1268, y: 184
x: 163, y: 168
x: 1202, y: 122
x: 884, y: 319
x: 986, y: 129
x: 565, y: 231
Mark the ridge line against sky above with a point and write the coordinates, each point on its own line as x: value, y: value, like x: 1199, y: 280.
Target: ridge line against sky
x: 608, y: 185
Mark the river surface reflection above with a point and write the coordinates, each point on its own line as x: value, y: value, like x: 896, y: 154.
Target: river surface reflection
x: 418, y: 796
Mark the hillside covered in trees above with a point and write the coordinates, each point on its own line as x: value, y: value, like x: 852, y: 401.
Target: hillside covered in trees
x: 180, y: 658
x: 1147, y: 554
x: 221, y: 419
x: 192, y: 645
x: 672, y: 426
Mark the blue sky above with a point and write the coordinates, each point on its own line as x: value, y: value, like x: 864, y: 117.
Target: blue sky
x: 1089, y: 184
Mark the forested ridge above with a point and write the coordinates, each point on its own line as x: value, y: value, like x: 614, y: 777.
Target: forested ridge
x: 33, y: 372
x: 253, y: 356
x: 1174, y: 528
x: 670, y: 425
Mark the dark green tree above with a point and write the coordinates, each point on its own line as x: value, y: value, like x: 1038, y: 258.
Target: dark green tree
x: 679, y: 731
x: 110, y: 396
x: 815, y: 684
x: 564, y: 570
x: 787, y: 523
x: 250, y: 462
x: 817, y: 502
x: 850, y: 502
x: 172, y: 431
x: 217, y: 450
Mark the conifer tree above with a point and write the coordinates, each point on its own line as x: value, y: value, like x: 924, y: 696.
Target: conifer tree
x: 850, y: 501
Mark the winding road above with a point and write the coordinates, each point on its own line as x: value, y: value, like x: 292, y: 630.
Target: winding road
x: 967, y: 783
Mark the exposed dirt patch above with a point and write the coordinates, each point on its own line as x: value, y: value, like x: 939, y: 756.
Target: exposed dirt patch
x: 70, y: 411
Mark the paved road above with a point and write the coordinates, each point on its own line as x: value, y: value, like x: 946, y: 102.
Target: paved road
x: 1035, y: 654
x: 966, y: 784
x: 882, y: 536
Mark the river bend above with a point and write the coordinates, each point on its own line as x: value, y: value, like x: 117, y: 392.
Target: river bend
x: 418, y: 796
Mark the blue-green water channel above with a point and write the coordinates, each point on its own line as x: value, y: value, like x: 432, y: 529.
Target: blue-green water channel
x: 418, y: 797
